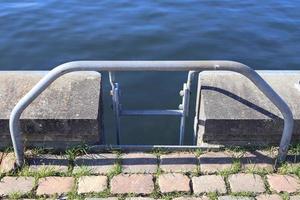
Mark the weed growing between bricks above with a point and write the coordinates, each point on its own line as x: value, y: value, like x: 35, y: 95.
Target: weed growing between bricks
x: 287, y: 168
x: 243, y: 194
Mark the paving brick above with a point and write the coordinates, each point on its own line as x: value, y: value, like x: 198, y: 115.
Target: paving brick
x: 212, y: 162
x: 269, y: 197
x: 258, y: 160
x: 294, y: 197
x: 87, y: 184
x: 209, y: 183
x: 7, y: 162
x: 51, y: 162
x: 21, y: 185
x: 235, y: 198
x: 109, y: 198
x: 178, y: 162
x: 192, y: 198
x: 132, y: 183
x: 96, y: 163
x: 246, y: 183
x: 55, y: 185
x: 139, y: 163
x: 283, y: 183
x: 139, y: 198
x: 173, y: 182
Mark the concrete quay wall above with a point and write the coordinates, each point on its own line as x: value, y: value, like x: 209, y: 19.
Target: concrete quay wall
x: 66, y: 113
x: 232, y: 111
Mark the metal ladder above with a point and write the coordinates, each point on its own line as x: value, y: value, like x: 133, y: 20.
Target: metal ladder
x: 182, y: 111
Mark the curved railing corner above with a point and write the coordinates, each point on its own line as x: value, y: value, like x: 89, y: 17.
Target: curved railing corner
x: 14, y: 122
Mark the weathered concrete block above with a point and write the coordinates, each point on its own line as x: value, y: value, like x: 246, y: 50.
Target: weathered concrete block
x: 55, y: 185
x: 173, y: 182
x: 21, y: 185
x: 134, y: 183
x: 50, y: 162
x: 68, y: 112
x: 95, y: 163
x: 233, y: 111
x: 178, y: 162
x: 246, y: 183
x: 139, y: 163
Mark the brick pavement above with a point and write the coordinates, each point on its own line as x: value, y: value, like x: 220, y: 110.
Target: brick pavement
x: 145, y: 176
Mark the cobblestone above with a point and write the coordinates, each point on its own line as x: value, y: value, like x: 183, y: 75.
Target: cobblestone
x: 7, y: 162
x: 178, y: 162
x: 95, y: 163
x: 212, y: 162
x: 173, y: 182
x: 269, y: 197
x: 134, y: 183
x: 137, y: 176
x: 283, y: 183
x: 235, y: 198
x: 139, y: 163
x: 295, y: 198
x: 208, y: 183
x: 192, y: 198
x: 109, y: 198
x: 139, y: 198
x: 20, y: 185
x: 51, y: 162
x: 258, y: 160
x: 246, y: 183
x: 87, y: 184
x: 55, y: 185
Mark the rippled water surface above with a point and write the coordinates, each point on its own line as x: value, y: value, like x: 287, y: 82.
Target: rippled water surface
x: 38, y: 35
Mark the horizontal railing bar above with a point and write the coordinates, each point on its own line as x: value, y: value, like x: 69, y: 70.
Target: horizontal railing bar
x: 151, y: 112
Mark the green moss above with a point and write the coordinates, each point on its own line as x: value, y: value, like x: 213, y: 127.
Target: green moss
x: 243, y: 194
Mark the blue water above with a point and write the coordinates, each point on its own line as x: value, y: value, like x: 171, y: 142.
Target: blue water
x: 38, y: 35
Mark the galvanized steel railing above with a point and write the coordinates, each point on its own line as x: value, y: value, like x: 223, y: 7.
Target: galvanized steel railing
x: 112, y: 66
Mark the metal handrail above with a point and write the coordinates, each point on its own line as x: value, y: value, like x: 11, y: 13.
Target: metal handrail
x: 14, y: 122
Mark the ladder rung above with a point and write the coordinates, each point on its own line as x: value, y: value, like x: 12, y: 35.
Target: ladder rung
x: 152, y: 112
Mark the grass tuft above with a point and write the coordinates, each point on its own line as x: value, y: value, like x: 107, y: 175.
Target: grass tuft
x: 73, y: 152
x: 117, y: 169
x: 15, y: 195
x: 243, y: 194
x: 235, y: 168
x: 212, y: 196
x: 198, y: 152
x: 82, y: 171
x: 287, y: 168
x: 285, y: 196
